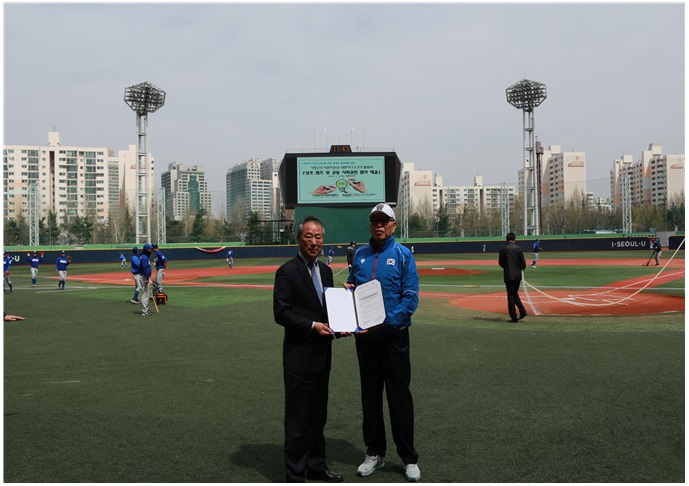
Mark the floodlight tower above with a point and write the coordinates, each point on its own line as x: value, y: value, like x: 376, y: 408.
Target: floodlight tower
x: 160, y: 208
x: 143, y: 98
x: 405, y: 206
x: 505, y: 208
x: 34, y: 233
x: 527, y: 95
x: 626, y: 204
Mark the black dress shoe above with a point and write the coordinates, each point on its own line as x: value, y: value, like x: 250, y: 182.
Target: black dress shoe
x: 522, y: 316
x: 326, y: 476
x: 514, y: 319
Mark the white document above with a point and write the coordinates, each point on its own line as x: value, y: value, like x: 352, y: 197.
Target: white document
x: 349, y: 311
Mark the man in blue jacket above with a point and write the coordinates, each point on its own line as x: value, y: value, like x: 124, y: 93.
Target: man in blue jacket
x: 383, y: 351
x: 146, y: 271
x: 6, y: 264
x: 536, y: 250
x: 136, y: 273
x: 34, y: 259
x: 161, y: 264
x: 61, y: 268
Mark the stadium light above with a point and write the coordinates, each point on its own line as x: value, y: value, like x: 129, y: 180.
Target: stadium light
x: 143, y: 98
x: 527, y: 95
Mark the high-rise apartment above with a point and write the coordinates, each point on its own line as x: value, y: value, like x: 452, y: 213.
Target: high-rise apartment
x: 426, y: 191
x: 563, y: 176
x: 186, y: 191
x: 247, y: 192
x: 70, y: 180
x: 480, y: 198
x: 655, y: 179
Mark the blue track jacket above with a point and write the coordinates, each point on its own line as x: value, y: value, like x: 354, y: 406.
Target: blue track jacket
x: 394, y: 267
x: 34, y: 261
x: 136, y: 264
x: 161, y: 260
x: 61, y: 263
x: 145, y: 265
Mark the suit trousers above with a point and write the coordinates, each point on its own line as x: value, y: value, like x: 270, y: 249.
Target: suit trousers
x: 513, y: 299
x: 384, y: 363
x: 306, y: 412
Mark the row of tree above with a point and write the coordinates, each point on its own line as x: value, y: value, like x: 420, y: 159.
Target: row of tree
x: 575, y: 218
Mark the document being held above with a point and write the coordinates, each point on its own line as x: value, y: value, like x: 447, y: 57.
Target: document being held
x: 352, y: 311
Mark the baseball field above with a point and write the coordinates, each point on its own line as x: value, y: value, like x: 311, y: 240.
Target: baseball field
x: 590, y: 387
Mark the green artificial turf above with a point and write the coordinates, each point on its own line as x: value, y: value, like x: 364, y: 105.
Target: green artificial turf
x: 94, y: 392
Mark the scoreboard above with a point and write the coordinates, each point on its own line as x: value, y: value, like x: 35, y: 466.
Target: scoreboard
x: 339, y: 178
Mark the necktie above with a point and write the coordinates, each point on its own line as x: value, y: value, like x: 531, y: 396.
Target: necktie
x: 316, y: 277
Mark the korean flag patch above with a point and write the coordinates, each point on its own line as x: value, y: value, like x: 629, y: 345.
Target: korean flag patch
x: 391, y: 261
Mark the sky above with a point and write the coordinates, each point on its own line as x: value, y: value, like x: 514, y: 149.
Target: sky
x: 426, y: 80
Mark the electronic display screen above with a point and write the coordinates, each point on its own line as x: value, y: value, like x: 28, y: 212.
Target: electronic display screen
x: 340, y: 179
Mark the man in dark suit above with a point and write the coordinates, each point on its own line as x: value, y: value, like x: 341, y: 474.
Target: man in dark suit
x: 511, y: 259
x: 306, y: 354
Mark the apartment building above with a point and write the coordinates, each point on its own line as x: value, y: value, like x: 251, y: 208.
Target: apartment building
x: 69, y: 180
x: 655, y: 179
x: 480, y: 198
x: 563, y: 176
x: 186, y: 191
x: 248, y: 192
x: 425, y: 190
x: 269, y: 172
x: 419, y: 188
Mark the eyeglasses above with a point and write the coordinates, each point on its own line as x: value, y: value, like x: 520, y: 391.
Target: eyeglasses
x: 380, y: 221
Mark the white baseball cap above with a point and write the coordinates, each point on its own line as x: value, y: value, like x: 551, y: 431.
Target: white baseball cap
x: 382, y: 208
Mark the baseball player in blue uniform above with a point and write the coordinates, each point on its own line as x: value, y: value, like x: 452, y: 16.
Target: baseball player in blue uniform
x: 160, y: 262
x: 145, y: 265
x: 230, y: 259
x: 34, y: 259
x: 6, y: 264
x: 136, y: 273
x: 331, y: 253
x: 123, y: 261
x: 61, y: 269
x: 536, y: 250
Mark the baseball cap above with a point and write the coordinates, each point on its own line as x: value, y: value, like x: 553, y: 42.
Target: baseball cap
x: 154, y: 245
x: 353, y: 243
x: 147, y: 247
x: 62, y: 252
x: 382, y: 208
x: 135, y: 249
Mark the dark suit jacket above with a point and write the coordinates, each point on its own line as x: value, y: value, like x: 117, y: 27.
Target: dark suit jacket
x: 296, y: 306
x: 511, y: 259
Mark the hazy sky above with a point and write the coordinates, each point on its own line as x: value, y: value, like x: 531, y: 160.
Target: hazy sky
x: 428, y: 80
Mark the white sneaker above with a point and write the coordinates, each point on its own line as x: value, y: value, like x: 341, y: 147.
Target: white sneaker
x: 370, y: 465
x: 412, y: 472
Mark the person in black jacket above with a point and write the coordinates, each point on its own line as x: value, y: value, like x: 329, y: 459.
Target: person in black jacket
x: 657, y: 249
x: 513, y: 263
x: 306, y: 354
x: 351, y: 250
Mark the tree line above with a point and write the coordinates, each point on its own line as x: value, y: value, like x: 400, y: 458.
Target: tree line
x: 576, y: 217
